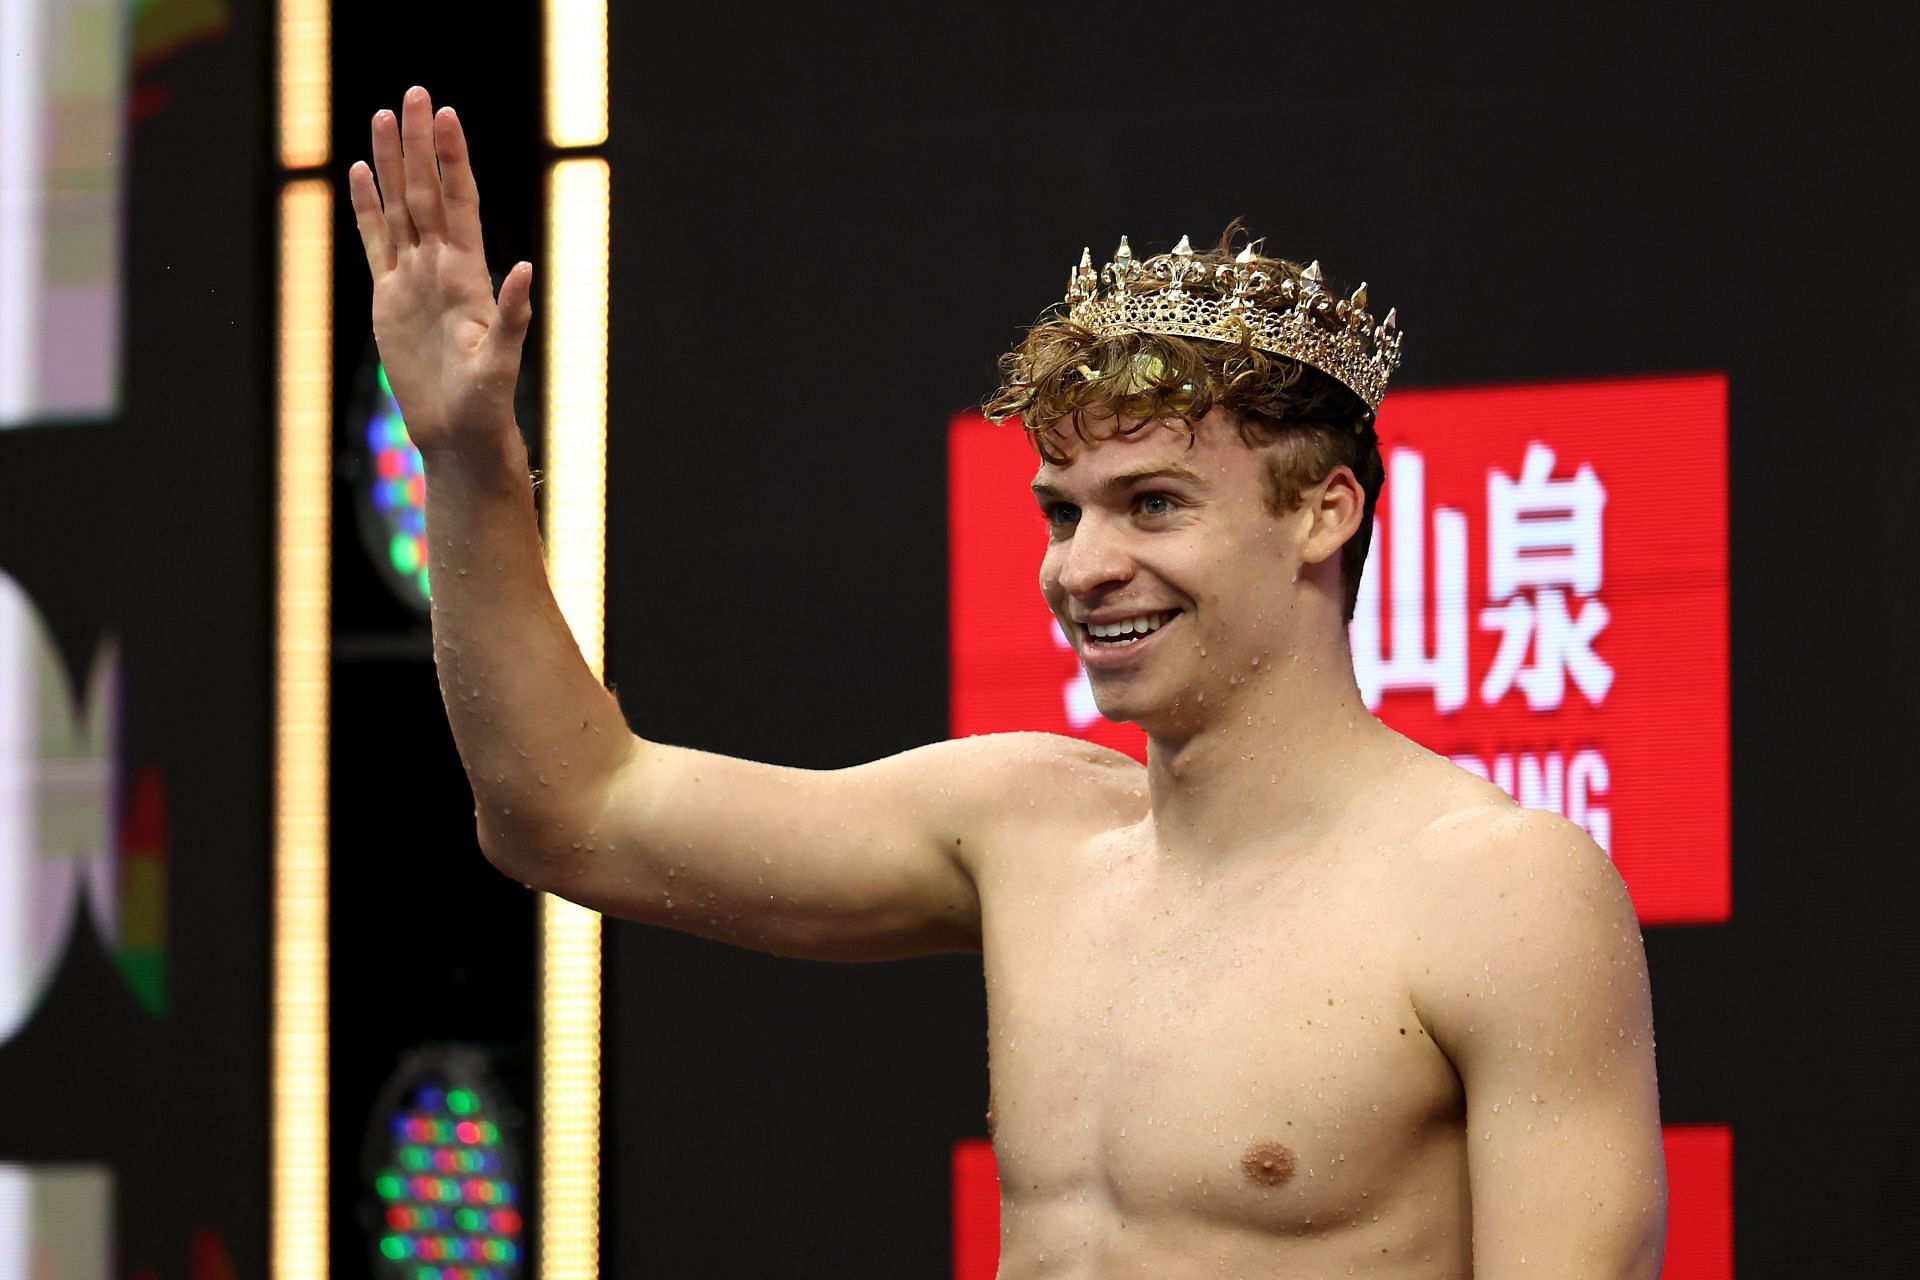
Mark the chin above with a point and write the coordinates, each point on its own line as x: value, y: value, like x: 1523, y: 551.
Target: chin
x: 1154, y: 715
x: 1158, y: 714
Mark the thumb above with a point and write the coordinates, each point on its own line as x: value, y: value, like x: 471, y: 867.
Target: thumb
x: 516, y: 305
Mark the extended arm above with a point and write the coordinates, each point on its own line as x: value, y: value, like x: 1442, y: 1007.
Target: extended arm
x: 867, y: 863
x: 538, y: 734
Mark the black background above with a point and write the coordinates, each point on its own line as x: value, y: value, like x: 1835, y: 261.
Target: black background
x: 826, y: 231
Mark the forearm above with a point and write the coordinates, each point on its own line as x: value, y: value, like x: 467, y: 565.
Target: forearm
x: 538, y: 734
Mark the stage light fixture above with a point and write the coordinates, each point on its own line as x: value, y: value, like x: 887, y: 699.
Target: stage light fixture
x: 442, y: 1194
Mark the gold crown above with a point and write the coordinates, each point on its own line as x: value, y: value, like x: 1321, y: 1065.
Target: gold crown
x: 1176, y: 293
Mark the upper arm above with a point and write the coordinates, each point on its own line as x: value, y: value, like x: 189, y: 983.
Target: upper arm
x: 873, y: 862
x: 1534, y: 983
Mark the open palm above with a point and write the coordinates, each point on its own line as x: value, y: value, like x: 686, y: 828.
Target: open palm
x: 450, y: 348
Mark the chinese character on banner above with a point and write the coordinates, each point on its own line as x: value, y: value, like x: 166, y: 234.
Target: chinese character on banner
x: 1560, y: 521
x: 1409, y: 662
x: 1544, y: 602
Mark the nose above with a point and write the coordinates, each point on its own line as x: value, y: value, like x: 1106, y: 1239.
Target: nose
x: 1094, y: 559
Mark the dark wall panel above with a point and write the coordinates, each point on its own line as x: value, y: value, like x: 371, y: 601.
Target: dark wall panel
x: 824, y: 237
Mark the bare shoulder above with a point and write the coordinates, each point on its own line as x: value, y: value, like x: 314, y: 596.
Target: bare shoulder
x: 1507, y: 898
x: 1493, y: 845
x: 1060, y: 775
x: 1459, y: 832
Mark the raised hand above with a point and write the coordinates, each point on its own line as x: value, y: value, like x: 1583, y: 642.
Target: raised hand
x: 451, y: 350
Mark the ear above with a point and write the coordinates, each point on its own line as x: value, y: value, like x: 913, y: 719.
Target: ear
x: 1333, y: 510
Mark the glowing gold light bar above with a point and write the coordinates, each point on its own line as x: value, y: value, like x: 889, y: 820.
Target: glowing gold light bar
x: 575, y: 310
x: 306, y: 83
x: 576, y: 72
x: 299, y: 1088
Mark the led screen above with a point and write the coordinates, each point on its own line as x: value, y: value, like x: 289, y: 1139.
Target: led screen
x: 63, y: 113
x: 1545, y: 602
x: 60, y: 834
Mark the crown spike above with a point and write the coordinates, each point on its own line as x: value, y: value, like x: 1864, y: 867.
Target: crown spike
x: 1288, y: 312
x: 1121, y: 270
x: 1082, y: 283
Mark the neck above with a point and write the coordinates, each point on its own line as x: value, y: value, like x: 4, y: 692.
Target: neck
x: 1284, y: 756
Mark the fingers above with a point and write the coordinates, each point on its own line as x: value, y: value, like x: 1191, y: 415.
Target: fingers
x: 422, y: 172
x: 461, y: 206
x: 515, y: 309
x: 393, y: 181
x: 374, y: 237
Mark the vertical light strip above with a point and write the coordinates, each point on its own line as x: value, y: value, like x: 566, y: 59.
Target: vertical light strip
x: 576, y: 72
x: 306, y: 83
x: 578, y: 193
x: 299, y: 1089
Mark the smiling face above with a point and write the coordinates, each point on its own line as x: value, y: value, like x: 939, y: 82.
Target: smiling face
x: 1170, y: 572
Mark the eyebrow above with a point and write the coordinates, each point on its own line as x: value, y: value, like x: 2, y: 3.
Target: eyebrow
x: 1126, y: 479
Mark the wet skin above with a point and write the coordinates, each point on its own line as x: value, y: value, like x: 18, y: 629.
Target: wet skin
x: 1230, y: 994
x: 1297, y: 998
x: 1226, y: 1069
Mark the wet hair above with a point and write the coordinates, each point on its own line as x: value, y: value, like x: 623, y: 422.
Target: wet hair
x: 1305, y: 421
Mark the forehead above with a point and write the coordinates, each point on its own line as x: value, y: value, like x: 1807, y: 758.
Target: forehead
x: 1211, y: 449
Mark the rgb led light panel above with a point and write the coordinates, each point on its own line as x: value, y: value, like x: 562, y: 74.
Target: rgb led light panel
x: 446, y: 1197
x: 391, y: 492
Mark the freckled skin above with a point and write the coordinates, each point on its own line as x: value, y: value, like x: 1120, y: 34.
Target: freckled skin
x: 1268, y: 1164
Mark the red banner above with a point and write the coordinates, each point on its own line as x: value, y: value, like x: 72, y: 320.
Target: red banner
x: 1544, y: 602
x: 1699, y: 1205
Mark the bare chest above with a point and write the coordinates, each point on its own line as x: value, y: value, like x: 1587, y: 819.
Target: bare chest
x: 1237, y: 1050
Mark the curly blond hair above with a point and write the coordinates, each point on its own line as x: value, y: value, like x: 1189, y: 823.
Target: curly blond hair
x: 1308, y: 422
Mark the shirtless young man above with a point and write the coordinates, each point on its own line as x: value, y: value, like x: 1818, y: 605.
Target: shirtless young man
x: 1298, y: 998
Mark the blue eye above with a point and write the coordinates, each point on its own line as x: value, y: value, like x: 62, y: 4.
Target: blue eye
x: 1061, y: 513
x: 1165, y: 507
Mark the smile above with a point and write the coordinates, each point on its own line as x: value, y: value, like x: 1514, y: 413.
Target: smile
x: 1122, y: 633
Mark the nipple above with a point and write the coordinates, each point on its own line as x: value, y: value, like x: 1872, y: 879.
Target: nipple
x: 1267, y: 1164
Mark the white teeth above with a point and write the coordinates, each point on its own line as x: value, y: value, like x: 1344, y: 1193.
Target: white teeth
x: 1142, y: 625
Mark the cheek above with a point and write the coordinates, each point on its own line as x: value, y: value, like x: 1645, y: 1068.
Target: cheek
x: 1050, y: 574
